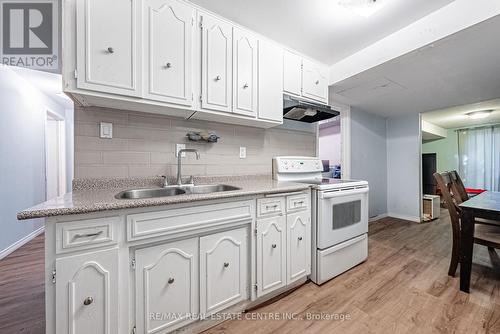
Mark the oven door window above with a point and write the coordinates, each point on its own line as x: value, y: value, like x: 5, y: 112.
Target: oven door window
x: 346, y: 214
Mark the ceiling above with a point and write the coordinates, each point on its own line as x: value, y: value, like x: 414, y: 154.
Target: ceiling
x: 321, y: 28
x: 463, y: 68
x: 48, y: 83
x: 455, y: 117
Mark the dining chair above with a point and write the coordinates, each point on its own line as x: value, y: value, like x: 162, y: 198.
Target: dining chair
x: 484, y: 234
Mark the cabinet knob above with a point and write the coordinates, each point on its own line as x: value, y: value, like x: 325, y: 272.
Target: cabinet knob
x: 300, y: 238
x: 171, y: 280
x: 168, y: 65
x: 273, y: 245
x: 317, y: 82
x: 88, y: 301
x: 217, y: 78
x: 245, y: 86
x: 110, y: 50
x: 226, y: 264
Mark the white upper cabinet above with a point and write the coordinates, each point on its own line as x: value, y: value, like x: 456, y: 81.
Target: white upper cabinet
x: 245, y: 86
x: 106, y: 46
x: 270, y: 81
x: 314, y: 81
x: 303, y: 77
x: 216, y: 63
x: 167, y: 282
x: 87, y: 293
x: 292, y: 73
x: 168, y: 30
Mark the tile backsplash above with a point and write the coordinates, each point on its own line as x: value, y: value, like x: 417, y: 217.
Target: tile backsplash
x: 144, y: 145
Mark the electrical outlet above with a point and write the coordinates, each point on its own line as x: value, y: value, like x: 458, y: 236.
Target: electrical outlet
x: 179, y: 147
x: 243, y: 152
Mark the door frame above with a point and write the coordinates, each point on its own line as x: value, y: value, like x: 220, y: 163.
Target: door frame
x: 61, y: 127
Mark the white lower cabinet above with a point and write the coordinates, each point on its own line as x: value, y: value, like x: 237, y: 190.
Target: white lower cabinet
x: 271, y: 254
x: 87, y: 293
x: 166, y: 286
x: 298, y: 229
x: 223, y: 270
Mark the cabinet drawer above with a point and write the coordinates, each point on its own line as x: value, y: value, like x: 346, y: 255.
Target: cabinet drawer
x: 182, y: 220
x: 297, y: 202
x: 85, y: 234
x: 223, y: 270
x: 270, y: 206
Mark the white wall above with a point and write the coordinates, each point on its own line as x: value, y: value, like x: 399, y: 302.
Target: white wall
x: 22, y: 155
x: 403, y: 167
x: 369, y: 157
x: 330, y: 145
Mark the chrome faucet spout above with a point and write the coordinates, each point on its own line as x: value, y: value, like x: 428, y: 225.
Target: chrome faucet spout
x: 179, y: 163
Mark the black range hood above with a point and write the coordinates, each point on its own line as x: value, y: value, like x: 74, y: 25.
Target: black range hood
x: 305, y: 111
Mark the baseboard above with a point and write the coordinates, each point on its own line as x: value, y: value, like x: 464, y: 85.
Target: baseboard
x: 377, y: 217
x: 404, y: 217
x: 21, y: 242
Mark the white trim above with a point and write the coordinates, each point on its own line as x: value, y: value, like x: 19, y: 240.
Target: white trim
x: 378, y: 217
x: 4, y: 253
x: 61, y: 129
x: 404, y: 217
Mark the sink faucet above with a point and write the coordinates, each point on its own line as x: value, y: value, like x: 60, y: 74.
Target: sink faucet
x: 179, y: 158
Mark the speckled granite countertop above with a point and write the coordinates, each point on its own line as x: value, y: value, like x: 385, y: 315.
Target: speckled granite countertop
x: 94, y: 195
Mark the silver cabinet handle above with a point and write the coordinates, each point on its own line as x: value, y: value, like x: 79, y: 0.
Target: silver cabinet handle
x: 273, y: 245
x: 168, y: 65
x: 300, y: 238
x: 317, y: 82
x: 245, y: 86
x: 110, y: 50
x: 171, y: 280
x: 226, y: 264
x: 298, y: 203
x: 271, y: 206
x: 87, y: 301
x: 88, y: 235
x: 217, y: 78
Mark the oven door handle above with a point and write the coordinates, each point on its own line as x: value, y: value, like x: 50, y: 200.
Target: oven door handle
x: 332, y: 194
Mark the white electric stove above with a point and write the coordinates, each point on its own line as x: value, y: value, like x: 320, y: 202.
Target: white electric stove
x: 339, y: 216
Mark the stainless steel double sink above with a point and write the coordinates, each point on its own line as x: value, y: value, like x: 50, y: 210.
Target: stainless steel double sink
x: 174, y: 191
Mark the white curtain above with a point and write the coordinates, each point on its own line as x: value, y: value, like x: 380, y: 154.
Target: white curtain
x: 479, y: 153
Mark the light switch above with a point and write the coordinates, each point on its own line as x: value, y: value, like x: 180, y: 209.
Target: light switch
x: 243, y: 152
x: 106, y: 130
x: 179, y: 147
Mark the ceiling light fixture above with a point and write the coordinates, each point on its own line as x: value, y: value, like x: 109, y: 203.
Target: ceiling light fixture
x: 365, y: 8
x: 479, y: 114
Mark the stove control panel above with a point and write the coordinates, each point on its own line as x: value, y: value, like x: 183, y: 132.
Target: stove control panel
x: 285, y: 165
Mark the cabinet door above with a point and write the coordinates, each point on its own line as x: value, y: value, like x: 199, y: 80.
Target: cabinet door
x: 270, y: 81
x: 223, y: 270
x: 299, y: 245
x: 292, y: 73
x: 315, y: 81
x: 271, y: 254
x: 216, y: 64
x: 87, y: 293
x: 166, y: 285
x: 167, y: 28
x: 245, y: 73
x: 106, y: 46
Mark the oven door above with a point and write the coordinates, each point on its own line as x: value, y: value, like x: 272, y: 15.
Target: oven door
x: 341, y: 215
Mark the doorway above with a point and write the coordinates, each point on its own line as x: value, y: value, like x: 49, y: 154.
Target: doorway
x: 55, y: 156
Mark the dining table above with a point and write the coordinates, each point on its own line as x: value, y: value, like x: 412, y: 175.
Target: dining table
x: 485, y: 205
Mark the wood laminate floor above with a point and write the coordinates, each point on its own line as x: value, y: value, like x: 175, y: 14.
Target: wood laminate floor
x: 403, y: 287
